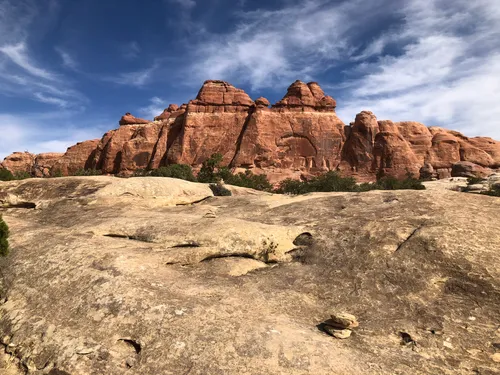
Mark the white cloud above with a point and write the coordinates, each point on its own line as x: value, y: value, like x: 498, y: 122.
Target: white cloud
x: 273, y: 48
x: 18, y: 54
x: 131, y: 50
x: 447, y: 75
x: 46, y: 132
x: 67, y: 59
x: 138, y: 78
x: 155, y: 108
x: 51, y: 100
x: 184, y: 3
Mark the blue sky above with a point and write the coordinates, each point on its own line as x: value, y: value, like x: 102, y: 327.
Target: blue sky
x: 70, y: 69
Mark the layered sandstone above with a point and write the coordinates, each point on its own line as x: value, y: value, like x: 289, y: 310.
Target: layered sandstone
x: 297, y: 137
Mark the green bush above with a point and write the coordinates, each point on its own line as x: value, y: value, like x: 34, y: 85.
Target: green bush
x: 332, y: 181
x: 88, y: 172
x: 392, y: 183
x: 22, y: 175
x: 180, y: 171
x: 56, y: 173
x: 219, y: 190
x: 293, y: 187
x: 211, y: 169
x: 249, y: 180
x: 328, y: 182
x: 6, y: 175
x: 4, y: 234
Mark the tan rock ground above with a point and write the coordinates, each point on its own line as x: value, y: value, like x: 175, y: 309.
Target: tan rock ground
x: 115, y: 276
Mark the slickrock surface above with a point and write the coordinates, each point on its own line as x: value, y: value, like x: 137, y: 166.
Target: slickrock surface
x: 156, y: 276
x: 297, y: 137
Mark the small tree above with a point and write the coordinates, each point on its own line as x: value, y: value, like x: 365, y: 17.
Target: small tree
x: 4, y: 234
x: 209, y: 171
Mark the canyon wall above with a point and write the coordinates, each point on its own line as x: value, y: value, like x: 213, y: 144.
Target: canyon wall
x: 298, y: 137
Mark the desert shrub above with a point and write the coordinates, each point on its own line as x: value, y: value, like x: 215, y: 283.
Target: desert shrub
x: 22, y: 175
x: 493, y: 191
x: 328, y: 182
x: 211, y: 169
x: 88, y: 172
x: 180, y: 171
x: 474, y: 180
x: 333, y: 181
x: 219, y: 190
x: 4, y: 235
x: 392, y: 183
x: 56, y: 173
x: 293, y: 187
x: 6, y: 175
x: 248, y: 180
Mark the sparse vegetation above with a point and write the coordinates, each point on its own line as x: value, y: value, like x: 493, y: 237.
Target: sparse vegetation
x: 6, y: 175
x: 56, y: 173
x: 4, y: 235
x: 333, y: 181
x: 249, y: 180
x: 21, y: 175
x: 88, y: 172
x: 180, y: 171
x: 493, y: 191
x: 219, y: 190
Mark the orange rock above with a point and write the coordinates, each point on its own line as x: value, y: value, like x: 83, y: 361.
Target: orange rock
x: 128, y: 119
x: 79, y: 156
x: 19, y: 162
x: 298, y: 137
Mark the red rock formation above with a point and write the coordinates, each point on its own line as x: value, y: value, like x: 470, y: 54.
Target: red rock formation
x: 298, y: 136
x: 79, y: 156
x: 19, y: 162
x: 213, y: 123
x: 165, y: 115
x: 44, y: 163
x: 128, y: 119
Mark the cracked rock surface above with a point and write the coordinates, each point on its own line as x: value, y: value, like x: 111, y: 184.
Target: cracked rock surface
x: 114, y: 276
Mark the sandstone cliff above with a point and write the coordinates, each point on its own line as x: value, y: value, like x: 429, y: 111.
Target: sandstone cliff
x: 298, y: 136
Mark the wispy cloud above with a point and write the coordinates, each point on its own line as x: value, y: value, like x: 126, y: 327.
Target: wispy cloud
x: 131, y: 50
x: 154, y: 108
x: 67, y: 60
x: 22, y: 73
x: 138, y: 78
x: 18, y: 54
x: 31, y: 132
x: 448, y: 73
x: 184, y: 3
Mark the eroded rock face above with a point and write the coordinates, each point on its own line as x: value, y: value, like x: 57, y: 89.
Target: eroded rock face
x: 297, y: 137
x: 77, y: 157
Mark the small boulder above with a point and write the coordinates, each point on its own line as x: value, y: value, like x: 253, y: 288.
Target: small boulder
x: 262, y: 102
x: 338, y: 333
x: 343, y: 321
x: 468, y: 169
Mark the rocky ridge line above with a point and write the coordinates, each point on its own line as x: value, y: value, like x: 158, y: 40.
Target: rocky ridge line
x: 297, y: 137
